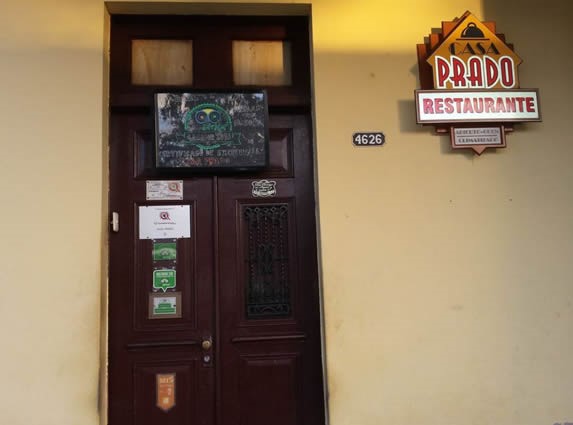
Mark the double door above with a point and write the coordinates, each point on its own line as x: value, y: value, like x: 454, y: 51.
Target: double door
x: 242, y: 345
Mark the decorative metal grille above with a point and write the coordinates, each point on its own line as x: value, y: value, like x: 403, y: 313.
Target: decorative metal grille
x: 267, y: 289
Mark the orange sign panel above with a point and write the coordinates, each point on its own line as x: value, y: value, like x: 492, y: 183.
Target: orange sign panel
x: 474, y: 57
x: 165, y: 391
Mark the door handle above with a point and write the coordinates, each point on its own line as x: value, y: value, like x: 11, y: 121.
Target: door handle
x: 207, y: 344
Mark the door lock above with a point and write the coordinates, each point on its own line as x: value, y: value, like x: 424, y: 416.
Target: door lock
x: 206, y: 345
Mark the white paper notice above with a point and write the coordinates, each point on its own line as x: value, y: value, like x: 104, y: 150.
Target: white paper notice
x: 164, y: 222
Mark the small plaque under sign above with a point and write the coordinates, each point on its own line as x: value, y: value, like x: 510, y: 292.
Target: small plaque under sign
x: 368, y: 139
x: 478, y: 138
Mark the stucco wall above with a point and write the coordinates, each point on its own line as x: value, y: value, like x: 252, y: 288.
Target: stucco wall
x: 447, y: 277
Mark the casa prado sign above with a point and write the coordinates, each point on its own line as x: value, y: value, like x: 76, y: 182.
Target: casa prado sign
x: 469, y: 79
x: 474, y: 57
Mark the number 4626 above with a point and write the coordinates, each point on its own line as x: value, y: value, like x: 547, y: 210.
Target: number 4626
x: 368, y: 139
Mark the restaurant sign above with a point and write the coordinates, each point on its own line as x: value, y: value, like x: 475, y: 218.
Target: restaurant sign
x: 469, y: 74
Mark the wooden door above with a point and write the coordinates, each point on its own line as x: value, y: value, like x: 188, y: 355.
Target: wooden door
x: 246, y: 347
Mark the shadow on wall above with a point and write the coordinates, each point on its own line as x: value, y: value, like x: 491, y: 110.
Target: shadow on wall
x: 519, y: 20
x: 540, y: 32
x: 371, y: 92
x: 375, y: 90
x: 367, y: 84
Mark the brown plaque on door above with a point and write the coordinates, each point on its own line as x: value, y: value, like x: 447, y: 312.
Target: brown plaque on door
x: 165, y: 391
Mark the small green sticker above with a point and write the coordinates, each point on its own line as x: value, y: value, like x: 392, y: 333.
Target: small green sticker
x: 164, y: 279
x: 164, y: 251
x: 165, y: 305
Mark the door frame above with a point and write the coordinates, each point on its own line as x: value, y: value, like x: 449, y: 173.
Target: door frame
x: 233, y: 9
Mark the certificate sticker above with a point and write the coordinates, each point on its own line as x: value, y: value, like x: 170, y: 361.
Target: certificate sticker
x: 164, y: 190
x: 164, y: 251
x: 164, y: 279
x: 165, y: 306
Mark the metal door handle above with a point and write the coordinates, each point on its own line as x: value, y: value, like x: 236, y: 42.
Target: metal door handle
x: 206, y: 344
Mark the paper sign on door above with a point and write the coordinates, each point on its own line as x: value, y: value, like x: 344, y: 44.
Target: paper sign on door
x: 164, y: 222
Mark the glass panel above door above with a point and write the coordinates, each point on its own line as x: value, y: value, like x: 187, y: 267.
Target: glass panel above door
x: 162, y: 62
x: 262, y: 63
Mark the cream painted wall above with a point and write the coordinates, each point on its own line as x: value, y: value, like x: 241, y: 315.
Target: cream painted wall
x: 50, y: 220
x: 447, y: 277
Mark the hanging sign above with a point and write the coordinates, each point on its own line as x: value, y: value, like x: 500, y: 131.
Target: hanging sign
x: 477, y: 137
x: 165, y: 390
x: 469, y: 74
x: 207, y: 131
x: 164, y: 222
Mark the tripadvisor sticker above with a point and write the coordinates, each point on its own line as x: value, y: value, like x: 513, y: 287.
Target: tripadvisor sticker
x: 164, y: 251
x: 164, y: 279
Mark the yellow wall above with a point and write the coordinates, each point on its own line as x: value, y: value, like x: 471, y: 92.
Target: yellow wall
x: 447, y: 277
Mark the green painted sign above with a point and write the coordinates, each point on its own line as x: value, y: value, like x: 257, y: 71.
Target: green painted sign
x: 164, y: 279
x: 164, y: 251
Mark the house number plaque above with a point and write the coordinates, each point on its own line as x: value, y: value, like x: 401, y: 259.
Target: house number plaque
x: 368, y: 139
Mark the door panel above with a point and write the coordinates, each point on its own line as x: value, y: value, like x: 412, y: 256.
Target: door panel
x: 141, y: 347
x: 269, y: 291
x: 278, y: 405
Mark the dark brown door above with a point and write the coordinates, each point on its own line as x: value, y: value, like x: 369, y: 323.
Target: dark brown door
x: 246, y: 349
